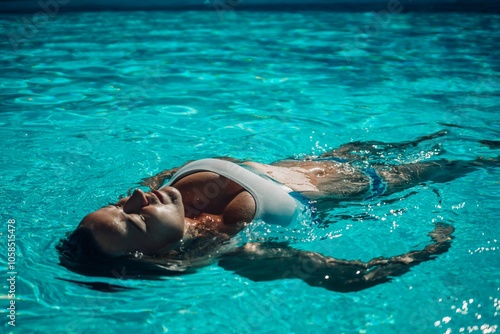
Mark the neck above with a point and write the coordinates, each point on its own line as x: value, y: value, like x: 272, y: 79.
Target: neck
x: 174, y: 246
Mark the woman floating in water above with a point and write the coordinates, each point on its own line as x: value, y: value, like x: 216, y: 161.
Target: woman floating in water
x: 189, y: 221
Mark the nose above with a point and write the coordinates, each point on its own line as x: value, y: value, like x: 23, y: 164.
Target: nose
x: 135, y: 202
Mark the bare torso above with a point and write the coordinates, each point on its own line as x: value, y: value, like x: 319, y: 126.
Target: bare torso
x: 318, y: 179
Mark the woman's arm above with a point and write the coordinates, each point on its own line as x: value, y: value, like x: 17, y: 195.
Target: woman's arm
x: 271, y: 261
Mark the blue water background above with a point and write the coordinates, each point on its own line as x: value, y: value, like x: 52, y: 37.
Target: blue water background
x: 93, y: 102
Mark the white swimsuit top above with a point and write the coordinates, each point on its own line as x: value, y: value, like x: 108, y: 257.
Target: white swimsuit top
x: 274, y: 205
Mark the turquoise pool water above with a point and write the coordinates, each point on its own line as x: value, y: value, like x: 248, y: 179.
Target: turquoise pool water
x: 93, y: 102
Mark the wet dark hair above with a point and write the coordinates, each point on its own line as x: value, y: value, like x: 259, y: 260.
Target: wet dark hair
x: 79, y: 246
x: 80, y: 253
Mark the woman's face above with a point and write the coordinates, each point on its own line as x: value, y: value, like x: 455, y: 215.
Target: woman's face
x: 144, y: 222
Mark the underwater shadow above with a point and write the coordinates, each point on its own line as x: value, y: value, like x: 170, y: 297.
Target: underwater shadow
x: 98, y: 286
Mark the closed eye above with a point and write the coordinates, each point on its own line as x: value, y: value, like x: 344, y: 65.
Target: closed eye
x: 140, y: 226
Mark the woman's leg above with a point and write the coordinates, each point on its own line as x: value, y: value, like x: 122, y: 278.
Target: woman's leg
x: 359, y: 150
x: 402, y: 177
